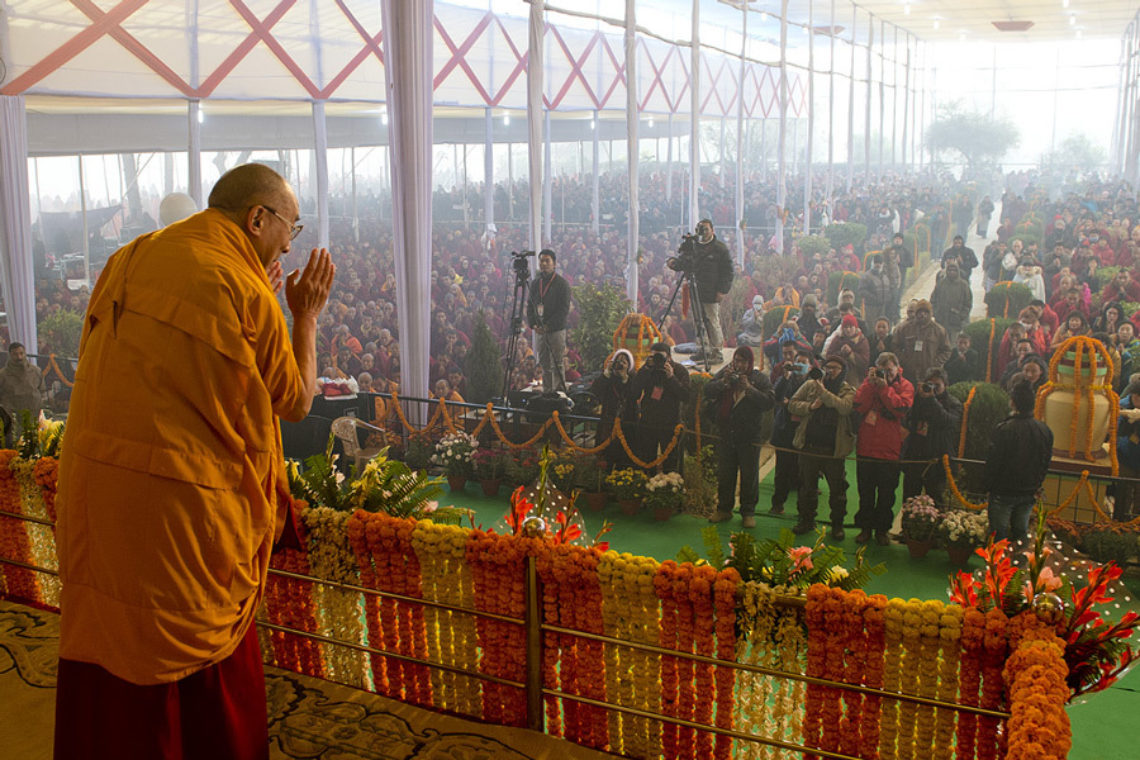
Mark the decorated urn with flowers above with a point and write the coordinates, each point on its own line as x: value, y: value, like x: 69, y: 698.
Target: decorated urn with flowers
x: 1078, y: 402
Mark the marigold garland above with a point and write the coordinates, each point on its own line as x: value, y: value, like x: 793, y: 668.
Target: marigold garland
x: 965, y: 416
x: 990, y: 352
x: 289, y: 602
x: 1035, y: 674
x: 994, y: 648
x: 41, y: 537
x: 1079, y: 345
x: 20, y: 584
x: 950, y: 637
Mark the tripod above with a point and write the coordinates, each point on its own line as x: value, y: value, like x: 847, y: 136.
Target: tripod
x: 687, y: 276
x: 518, y: 310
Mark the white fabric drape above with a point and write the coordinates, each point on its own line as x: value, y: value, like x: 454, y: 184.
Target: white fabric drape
x: 810, y: 122
x: 535, y: 33
x: 408, y: 74
x: 631, y: 124
x: 740, y: 137
x: 321, y: 154
x: 547, y: 180
x: 18, y: 278
x: 595, y: 195
x: 489, y: 228
x: 695, y: 119
x: 194, y: 152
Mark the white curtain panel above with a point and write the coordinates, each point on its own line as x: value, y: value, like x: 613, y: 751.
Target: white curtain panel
x: 631, y: 116
x: 534, y: 109
x: 695, y: 120
x: 17, y: 278
x: 321, y: 146
x: 408, y: 37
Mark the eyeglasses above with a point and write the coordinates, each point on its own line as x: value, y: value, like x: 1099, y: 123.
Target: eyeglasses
x: 294, y: 229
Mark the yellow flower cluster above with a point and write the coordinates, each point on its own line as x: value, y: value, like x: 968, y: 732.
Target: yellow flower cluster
x: 631, y: 610
x: 446, y: 578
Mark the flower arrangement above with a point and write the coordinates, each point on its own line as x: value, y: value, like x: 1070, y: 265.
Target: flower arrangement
x: 489, y: 463
x: 419, y: 451
x: 561, y: 472
x: 665, y: 490
x: 627, y: 483
x: 964, y: 529
x: 920, y: 518
x: 523, y: 468
x: 49, y: 436
x: 454, y: 453
x: 1098, y: 650
x: 779, y: 562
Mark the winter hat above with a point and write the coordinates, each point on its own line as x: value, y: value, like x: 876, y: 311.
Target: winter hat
x: 922, y: 305
x: 849, y: 320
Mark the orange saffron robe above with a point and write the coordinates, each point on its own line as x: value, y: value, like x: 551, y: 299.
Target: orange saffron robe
x: 172, y: 458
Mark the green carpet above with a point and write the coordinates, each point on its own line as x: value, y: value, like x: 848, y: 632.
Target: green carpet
x: 1100, y: 723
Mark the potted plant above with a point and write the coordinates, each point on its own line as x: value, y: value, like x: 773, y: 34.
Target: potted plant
x: 561, y: 471
x: 590, y: 476
x: 962, y: 532
x: 628, y: 487
x: 664, y: 494
x: 489, y: 465
x: 920, y: 520
x: 454, y: 454
x: 522, y: 468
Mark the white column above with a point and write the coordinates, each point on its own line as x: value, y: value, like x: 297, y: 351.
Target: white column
x: 489, y: 176
x: 851, y: 104
x: 631, y: 129
x: 831, y: 109
x: 906, y: 106
x: 321, y: 154
x: 740, y: 136
x: 695, y: 119
x: 781, y: 167
x: 547, y: 180
x: 194, y: 152
x: 867, y: 114
x: 17, y: 272
x: 810, y: 121
x: 408, y: 78
x: 668, y: 163
x: 536, y: 33
x: 595, y: 196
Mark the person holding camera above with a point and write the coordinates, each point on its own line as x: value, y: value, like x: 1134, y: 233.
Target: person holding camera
x: 738, y: 396
x: 660, y: 387
x: 546, y: 312
x: 824, y: 437
x: 883, y: 401
x: 612, y: 389
x: 712, y: 269
x: 793, y: 373
x: 933, y: 425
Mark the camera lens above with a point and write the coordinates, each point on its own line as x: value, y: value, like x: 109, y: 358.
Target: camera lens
x: 815, y: 373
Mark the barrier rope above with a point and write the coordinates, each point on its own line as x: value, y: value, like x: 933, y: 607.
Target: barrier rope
x: 965, y: 416
x: 677, y: 431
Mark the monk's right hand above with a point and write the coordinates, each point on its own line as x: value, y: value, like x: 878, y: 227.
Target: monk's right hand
x: 307, y: 291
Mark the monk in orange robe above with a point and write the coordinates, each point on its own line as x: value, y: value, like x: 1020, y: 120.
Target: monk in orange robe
x: 170, y: 475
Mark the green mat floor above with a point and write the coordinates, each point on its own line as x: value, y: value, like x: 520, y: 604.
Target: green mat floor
x: 1099, y: 723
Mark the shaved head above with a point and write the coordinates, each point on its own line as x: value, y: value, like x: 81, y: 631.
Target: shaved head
x: 247, y: 185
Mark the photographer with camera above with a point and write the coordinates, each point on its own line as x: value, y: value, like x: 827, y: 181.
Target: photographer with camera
x: 824, y: 437
x: 738, y: 397
x: 932, y: 425
x: 612, y: 389
x: 793, y: 373
x: 883, y: 401
x: 711, y: 265
x: 546, y: 312
x: 660, y: 387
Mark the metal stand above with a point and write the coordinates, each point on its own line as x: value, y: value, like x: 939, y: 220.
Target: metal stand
x: 518, y: 310
x: 698, y: 318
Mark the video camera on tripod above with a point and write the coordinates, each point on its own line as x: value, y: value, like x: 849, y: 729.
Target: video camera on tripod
x: 686, y: 257
x: 520, y: 265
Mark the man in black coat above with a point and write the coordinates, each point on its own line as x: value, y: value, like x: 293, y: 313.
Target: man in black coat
x: 933, y: 425
x: 712, y: 269
x: 1016, y: 465
x: 787, y: 470
x: 660, y: 388
x: 546, y: 310
x: 738, y: 396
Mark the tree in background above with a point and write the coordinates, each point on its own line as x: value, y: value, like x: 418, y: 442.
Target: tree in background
x: 601, y: 309
x: 483, y: 366
x: 979, y: 139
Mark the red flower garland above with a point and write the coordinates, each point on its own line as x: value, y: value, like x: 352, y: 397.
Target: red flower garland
x: 724, y: 600
x: 663, y: 586
x: 20, y: 584
x: 289, y: 602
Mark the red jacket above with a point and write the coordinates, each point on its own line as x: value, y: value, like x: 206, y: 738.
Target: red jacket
x: 883, y: 409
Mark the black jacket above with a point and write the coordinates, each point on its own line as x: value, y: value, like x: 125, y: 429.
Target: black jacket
x: 554, y: 295
x: 665, y: 409
x: 614, y: 396
x: 745, y: 419
x: 783, y: 426
x: 933, y: 424
x: 713, y: 269
x: 1018, y: 460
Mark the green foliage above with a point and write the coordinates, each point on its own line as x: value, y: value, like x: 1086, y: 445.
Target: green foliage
x: 841, y: 234
x: 320, y: 483
x: 1103, y: 276
x: 1006, y: 300
x: 775, y: 317
x: 1076, y: 153
x: 1110, y: 546
x: 523, y: 468
x: 973, y: 135
x: 419, y: 452
x: 979, y: 333
x: 779, y: 562
x: 810, y: 245
x: 601, y: 309
x: 838, y: 281
x: 61, y: 331
x: 989, y: 407
x: 700, y: 481
x: 690, y: 410
x: 29, y: 445
x: 483, y: 366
